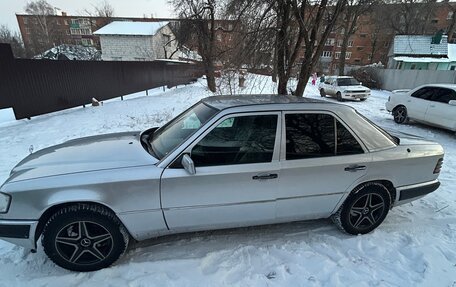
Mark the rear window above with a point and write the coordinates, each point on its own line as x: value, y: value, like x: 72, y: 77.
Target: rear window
x: 373, y: 136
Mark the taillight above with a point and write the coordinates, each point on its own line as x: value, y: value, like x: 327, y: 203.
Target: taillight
x: 438, y: 166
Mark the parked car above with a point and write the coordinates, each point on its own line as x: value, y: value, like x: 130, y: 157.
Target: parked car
x: 225, y: 162
x: 343, y: 88
x: 433, y: 104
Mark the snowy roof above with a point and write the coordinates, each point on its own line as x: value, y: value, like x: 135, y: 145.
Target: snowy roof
x: 419, y: 45
x: 422, y: 60
x: 131, y: 28
x: 451, y: 57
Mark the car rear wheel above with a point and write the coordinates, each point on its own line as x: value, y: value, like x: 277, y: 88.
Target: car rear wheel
x: 400, y: 114
x: 364, y: 209
x: 84, y: 237
x: 339, y: 97
x: 322, y: 93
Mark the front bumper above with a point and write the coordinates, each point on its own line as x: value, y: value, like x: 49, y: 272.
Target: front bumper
x: 19, y: 232
x: 409, y: 193
x: 354, y: 96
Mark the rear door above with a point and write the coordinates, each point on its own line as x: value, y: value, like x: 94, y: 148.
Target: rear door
x: 440, y: 112
x: 320, y: 160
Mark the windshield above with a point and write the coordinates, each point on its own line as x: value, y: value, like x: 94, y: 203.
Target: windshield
x: 180, y: 128
x: 347, y: 82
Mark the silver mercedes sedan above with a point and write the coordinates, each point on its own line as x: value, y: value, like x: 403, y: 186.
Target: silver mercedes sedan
x: 226, y: 162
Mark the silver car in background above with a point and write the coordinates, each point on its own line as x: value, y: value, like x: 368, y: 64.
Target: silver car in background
x: 226, y: 162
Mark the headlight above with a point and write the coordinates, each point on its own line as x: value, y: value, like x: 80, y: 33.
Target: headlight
x: 5, y: 200
x: 344, y: 92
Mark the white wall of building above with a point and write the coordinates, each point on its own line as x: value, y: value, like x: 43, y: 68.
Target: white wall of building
x: 138, y: 48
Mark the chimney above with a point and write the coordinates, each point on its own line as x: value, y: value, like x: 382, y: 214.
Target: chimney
x: 64, y: 13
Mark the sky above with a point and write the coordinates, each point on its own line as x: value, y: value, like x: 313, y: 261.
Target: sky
x: 122, y: 8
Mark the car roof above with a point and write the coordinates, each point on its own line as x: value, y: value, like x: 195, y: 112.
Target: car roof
x: 449, y: 86
x: 231, y: 101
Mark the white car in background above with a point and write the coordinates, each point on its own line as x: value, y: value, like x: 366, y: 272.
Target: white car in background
x: 433, y: 104
x: 343, y: 88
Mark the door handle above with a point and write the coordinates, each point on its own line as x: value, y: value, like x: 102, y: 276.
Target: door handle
x: 354, y: 168
x: 265, y: 176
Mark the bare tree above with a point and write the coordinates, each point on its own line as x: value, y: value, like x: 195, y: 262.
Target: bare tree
x: 352, y: 12
x: 41, y: 36
x: 316, y: 19
x: 411, y: 17
x: 201, y: 16
x: 452, y: 26
x: 102, y: 9
x: 14, y: 39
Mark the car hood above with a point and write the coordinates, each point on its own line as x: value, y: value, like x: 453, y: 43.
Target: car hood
x: 354, y: 88
x: 109, y: 151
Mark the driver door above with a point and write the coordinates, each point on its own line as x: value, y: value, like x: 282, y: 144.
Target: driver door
x: 236, y: 179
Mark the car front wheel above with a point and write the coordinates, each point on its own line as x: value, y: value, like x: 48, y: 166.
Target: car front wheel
x: 364, y: 209
x: 322, y: 93
x: 84, y: 237
x: 400, y: 114
x: 339, y: 97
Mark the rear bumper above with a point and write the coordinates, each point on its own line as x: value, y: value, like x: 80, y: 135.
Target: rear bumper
x: 409, y: 193
x: 19, y: 232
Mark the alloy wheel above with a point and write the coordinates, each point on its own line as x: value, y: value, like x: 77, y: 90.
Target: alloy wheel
x: 84, y: 242
x: 400, y: 115
x: 366, y: 211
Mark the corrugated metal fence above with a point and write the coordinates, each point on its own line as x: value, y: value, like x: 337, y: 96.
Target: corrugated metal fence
x: 35, y: 87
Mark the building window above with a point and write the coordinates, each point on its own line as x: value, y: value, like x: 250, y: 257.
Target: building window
x: 326, y: 54
x: 363, y: 35
x: 87, y: 42
x: 230, y: 27
x: 452, y: 67
x: 339, y: 43
x: 450, y: 15
x: 337, y: 55
x: 357, y: 60
x: 68, y: 32
x: 369, y: 57
x: 219, y: 37
x: 330, y: 42
x: 57, y: 22
x: 65, y: 22
x: 25, y: 20
x: 27, y: 30
x: 350, y: 43
x: 80, y: 31
x: 348, y: 55
x: 359, y: 48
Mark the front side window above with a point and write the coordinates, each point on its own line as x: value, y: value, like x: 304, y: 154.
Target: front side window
x: 238, y: 140
x: 424, y: 93
x: 317, y: 135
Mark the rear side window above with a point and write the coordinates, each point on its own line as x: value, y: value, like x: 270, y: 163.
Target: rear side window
x: 444, y: 95
x: 317, y: 135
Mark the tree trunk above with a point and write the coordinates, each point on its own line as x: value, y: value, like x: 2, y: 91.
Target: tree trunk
x: 304, y: 73
x: 210, y: 76
x: 343, y: 49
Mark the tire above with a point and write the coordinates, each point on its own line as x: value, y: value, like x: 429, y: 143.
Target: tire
x: 364, y: 209
x: 400, y: 114
x: 84, y: 237
x: 322, y: 93
x: 339, y: 97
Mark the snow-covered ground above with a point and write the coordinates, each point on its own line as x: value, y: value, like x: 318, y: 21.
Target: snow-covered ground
x: 415, y: 246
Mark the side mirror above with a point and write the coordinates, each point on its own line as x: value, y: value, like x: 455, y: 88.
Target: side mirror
x: 452, y: 103
x: 188, y: 164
